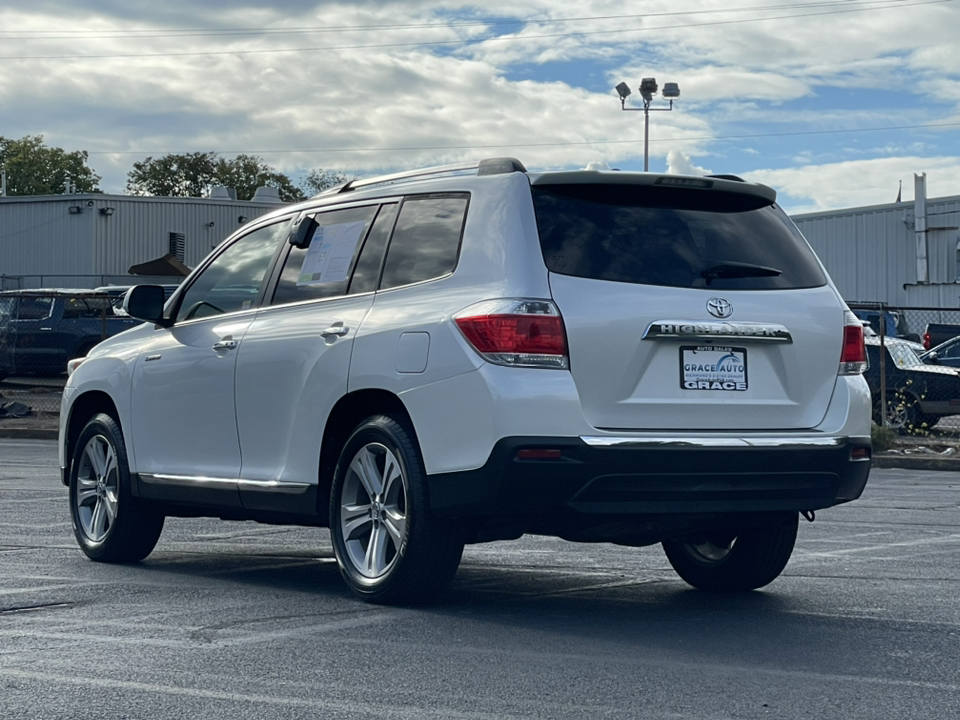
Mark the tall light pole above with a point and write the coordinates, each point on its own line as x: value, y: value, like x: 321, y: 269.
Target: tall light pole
x: 648, y: 90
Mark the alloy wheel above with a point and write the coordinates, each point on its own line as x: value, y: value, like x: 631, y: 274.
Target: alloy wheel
x: 97, y: 488
x: 373, y: 510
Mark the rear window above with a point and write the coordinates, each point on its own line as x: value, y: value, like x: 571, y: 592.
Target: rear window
x: 673, y: 237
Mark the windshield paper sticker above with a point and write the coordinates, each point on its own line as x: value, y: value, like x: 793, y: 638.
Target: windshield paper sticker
x: 330, y: 252
x: 713, y: 368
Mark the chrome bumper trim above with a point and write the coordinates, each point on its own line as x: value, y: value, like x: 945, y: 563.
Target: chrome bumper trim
x: 654, y: 443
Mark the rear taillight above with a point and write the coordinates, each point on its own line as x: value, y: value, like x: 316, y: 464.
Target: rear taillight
x: 926, y: 341
x: 516, y: 332
x: 853, y: 358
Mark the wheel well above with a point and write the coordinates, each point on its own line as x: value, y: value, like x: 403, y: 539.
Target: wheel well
x: 349, y: 411
x: 84, y: 408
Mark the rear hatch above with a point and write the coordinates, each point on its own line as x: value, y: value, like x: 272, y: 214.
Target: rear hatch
x: 689, y: 303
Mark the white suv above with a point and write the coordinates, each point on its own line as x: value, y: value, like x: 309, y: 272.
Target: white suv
x: 465, y: 354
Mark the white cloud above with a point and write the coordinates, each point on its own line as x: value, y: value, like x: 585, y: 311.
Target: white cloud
x: 680, y: 164
x: 858, y: 183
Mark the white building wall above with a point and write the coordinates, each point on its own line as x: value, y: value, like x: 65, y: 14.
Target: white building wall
x: 871, y: 252
x: 43, y: 243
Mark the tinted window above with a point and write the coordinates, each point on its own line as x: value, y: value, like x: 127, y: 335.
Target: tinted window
x: 232, y: 281
x: 426, y: 240
x: 35, y: 308
x: 323, y: 268
x: 86, y: 308
x: 670, y: 236
x: 367, y: 272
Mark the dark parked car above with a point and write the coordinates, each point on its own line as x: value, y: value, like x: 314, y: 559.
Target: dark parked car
x: 40, y: 330
x: 946, y: 354
x: 918, y: 393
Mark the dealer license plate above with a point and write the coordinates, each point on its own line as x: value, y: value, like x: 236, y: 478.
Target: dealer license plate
x: 713, y: 368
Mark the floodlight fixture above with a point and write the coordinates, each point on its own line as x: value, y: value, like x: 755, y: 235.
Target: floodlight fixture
x: 648, y: 90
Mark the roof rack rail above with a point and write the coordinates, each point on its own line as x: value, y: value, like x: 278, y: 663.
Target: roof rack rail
x: 488, y: 166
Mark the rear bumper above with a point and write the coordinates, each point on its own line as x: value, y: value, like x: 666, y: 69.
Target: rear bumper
x: 657, y: 475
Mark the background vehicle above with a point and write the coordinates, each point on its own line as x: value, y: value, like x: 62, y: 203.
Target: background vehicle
x: 946, y: 354
x: 471, y: 353
x: 919, y: 394
x: 938, y: 333
x: 45, y: 328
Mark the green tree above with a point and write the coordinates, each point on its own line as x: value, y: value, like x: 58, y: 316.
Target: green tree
x: 194, y: 174
x: 319, y: 180
x: 246, y: 173
x: 34, y: 169
x: 173, y: 175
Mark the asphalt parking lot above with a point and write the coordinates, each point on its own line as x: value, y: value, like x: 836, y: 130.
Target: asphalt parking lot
x: 239, y: 620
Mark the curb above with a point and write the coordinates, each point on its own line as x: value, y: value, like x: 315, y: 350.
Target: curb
x: 28, y: 434
x: 916, y: 462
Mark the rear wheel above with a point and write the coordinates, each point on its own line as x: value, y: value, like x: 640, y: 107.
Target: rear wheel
x: 734, y: 559
x: 389, y: 548
x: 110, y: 524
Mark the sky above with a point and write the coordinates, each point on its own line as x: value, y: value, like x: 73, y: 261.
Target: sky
x: 834, y: 103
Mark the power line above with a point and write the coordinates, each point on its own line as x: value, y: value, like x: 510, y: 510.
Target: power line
x: 535, y: 145
x: 209, y: 32
x: 438, y: 43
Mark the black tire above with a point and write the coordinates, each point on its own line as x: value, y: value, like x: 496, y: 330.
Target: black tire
x: 110, y: 524
x: 389, y: 548
x: 735, y: 560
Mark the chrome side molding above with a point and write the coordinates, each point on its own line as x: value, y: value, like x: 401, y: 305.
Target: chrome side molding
x: 272, y: 486
x: 726, y: 331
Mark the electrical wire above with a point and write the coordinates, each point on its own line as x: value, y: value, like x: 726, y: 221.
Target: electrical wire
x: 439, y: 43
x: 534, y: 145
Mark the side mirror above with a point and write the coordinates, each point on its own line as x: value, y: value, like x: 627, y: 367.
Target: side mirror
x: 933, y: 358
x: 145, y: 302
x: 302, y: 232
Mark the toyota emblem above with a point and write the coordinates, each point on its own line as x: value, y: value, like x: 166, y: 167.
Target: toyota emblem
x: 719, y: 307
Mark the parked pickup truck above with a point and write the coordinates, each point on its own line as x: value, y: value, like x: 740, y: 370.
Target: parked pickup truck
x: 41, y: 329
x: 937, y: 333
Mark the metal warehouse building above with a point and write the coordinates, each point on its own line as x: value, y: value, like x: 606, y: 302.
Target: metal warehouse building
x: 902, y: 254
x: 94, y: 239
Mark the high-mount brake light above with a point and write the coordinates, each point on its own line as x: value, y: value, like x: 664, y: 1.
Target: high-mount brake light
x: 853, y: 357
x: 516, y: 332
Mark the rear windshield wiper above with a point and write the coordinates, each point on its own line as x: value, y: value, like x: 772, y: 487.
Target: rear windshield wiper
x: 729, y: 269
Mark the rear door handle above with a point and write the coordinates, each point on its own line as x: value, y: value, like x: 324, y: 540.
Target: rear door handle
x: 225, y: 345
x: 339, y: 329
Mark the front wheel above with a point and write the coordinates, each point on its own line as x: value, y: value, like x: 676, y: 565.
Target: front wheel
x: 734, y: 559
x: 388, y: 546
x: 110, y: 524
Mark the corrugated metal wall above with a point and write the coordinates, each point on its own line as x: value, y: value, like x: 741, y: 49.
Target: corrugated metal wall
x: 871, y: 252
x: 45, y: 237
x: 139, y: 229
x: 40, y: 236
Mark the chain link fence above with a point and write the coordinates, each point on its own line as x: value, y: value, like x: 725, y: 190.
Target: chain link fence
x: 40, y: 330
x: 913, y: 356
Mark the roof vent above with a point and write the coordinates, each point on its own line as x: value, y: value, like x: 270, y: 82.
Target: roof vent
x: 222, y: 193
x: 266, y: 194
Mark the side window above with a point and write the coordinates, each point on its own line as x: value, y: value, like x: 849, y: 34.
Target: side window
x: 367, y: 272
x: 35, y: 308
x: 426, y: 241
x: 322, y: 269
x: 233, y: 280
